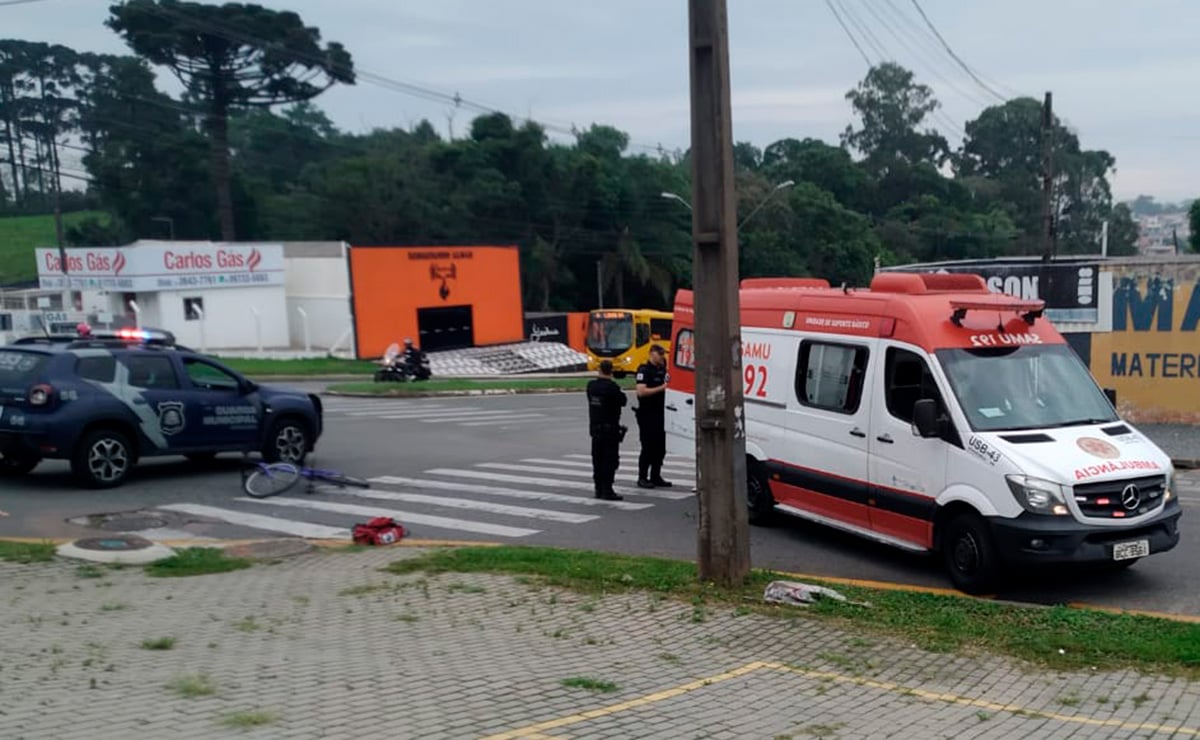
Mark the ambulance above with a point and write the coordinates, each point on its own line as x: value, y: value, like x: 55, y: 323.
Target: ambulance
x: 930, y: 414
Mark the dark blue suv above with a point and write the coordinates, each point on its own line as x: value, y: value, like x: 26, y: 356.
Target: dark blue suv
x: 105, y: 401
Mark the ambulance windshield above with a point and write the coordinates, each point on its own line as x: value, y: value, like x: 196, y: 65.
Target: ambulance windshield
x: 1025, y: 387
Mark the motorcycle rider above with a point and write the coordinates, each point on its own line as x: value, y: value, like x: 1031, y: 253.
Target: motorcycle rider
x: 411, y: 359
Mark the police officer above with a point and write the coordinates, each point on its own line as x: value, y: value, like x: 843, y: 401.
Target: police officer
x: 651, y: 390
x: 605, y: 401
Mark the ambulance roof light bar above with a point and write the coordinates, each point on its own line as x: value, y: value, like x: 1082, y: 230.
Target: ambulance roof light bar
x: 1030, y: 310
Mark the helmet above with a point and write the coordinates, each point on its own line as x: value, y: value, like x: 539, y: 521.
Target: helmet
x: 408, y: 341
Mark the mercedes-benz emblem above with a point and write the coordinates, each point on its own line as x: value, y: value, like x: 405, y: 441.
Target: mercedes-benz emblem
x: 1131, y: 497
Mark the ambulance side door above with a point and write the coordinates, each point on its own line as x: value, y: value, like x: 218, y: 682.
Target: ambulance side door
x: 908, y: 472
x: 680, y: 401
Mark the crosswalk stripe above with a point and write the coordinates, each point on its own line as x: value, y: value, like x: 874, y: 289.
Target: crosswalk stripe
x: 556, y: 483
x: 442, y: 485
x: 542, y: 469
x: 516, y: 419
x: 671, y: 461
x: 404, y: 517
x: 406, y: 411
x: 673, y: 468
x: 462, y: 503
x: 492, y: 415
x: 258, y: 521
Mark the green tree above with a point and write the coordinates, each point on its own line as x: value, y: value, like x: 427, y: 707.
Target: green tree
x: 1122, y: 232
x: 1194, y: 225
x: 892, y: 107
x: 232, y: 56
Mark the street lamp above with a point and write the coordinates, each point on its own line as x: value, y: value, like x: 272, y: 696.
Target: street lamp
x: 680, y: 198
x: 781, y: 186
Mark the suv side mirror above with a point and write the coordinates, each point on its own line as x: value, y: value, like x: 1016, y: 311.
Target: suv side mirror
x: 925, y: 422
x: 1112, y: 396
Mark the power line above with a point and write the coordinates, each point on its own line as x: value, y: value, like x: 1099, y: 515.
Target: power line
x: 955, y: 57
x: 849, y: 35
x: 18, y: 2
x: 864, y: 32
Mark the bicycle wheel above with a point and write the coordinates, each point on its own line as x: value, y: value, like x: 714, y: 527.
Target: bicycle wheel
x: 338, y: 479
x: 270, y: 480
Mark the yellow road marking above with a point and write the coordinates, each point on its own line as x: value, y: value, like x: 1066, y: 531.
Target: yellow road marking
x: 1189, y: 618
x: 533, y: 731
x: 536, y: 731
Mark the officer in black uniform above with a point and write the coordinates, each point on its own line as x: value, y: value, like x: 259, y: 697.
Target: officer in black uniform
x: 605, y: 401
x: 651, y: 390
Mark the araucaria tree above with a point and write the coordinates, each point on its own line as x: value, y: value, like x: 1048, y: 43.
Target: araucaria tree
x: 231, y: 57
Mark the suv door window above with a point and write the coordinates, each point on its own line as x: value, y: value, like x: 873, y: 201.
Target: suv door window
x: 100, y: 369
x: 206, y: 376
x: 154, y: 372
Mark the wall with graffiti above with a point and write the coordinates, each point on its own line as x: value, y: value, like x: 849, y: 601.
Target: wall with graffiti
x: 1152, y: 355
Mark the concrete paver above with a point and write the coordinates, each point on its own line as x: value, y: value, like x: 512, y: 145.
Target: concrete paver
x: 325, y: 645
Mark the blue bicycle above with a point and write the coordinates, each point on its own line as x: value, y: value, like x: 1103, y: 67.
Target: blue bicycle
x: 261, y: 480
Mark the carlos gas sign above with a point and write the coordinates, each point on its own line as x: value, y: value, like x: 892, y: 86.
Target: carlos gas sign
x: 162, y: 267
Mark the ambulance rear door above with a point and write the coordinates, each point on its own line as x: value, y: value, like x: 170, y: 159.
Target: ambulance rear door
x: 680, y: 400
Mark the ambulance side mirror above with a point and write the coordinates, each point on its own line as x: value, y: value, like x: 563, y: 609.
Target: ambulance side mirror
x: 1112, y: 396
x: 925, y: 422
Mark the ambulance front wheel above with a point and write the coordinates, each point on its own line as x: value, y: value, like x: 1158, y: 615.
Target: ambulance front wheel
x: 760, y: 505
x: 970, y: 554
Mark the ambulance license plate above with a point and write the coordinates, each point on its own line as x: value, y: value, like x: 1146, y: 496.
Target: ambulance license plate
x: 1130, y: 550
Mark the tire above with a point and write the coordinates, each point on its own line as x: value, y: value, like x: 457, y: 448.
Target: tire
x: 103, y: 459
x: 970, y: 554
x: 288, y: 441
x: 270, y: 480
x: 760, y: 505
x: 17, y: 464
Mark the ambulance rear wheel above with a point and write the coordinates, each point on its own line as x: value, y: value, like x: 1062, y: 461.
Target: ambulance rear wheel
x: 760, y: 505
x: 970, y: 554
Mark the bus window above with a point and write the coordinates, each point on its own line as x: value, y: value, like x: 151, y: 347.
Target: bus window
x: 660, y: 329
x: 643, y: 334
x: 610, y: 333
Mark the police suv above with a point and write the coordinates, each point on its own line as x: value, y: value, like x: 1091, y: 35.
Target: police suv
x: 106, y: 400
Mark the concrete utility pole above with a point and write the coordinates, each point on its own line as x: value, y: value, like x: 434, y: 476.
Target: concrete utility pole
x: 1047, y: 180
x: 723, y: 547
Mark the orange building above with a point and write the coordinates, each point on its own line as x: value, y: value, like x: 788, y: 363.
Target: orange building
x: 442, y: 297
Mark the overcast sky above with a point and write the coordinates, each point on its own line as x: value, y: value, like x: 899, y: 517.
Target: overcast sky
x: 1123, y: 73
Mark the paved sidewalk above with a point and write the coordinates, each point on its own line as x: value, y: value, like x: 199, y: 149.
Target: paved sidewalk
x: 325, y: 645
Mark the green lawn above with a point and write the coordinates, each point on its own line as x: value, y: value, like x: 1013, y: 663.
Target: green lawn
x: 20, y: 235
x: 1057, y: 637
x: 460, y: 385
x: 314, y: 366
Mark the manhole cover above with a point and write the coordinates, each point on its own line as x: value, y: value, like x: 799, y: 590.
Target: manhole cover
x: 114, y: 544
x: 132, y: 523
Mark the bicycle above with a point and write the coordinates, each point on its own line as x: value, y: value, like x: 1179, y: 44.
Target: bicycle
x: 261, y: 480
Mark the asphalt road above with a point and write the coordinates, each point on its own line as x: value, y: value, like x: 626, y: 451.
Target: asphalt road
x: 515, y: 469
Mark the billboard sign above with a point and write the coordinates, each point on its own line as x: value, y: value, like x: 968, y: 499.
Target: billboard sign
x: 1070, y: 290
x: 152, y: 268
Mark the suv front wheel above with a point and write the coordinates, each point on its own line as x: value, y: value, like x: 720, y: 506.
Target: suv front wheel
x: 286, y: 442
x: 103, y: 459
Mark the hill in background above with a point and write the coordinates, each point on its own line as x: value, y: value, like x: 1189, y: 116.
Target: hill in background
x: 20, y: 235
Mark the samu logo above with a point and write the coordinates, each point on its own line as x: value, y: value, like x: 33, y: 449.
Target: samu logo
x: 170, y: 417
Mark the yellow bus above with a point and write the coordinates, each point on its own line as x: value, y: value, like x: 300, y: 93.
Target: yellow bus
x: 624, y: 335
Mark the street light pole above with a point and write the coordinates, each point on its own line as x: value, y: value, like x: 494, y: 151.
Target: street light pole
x: 781, y: 186
x: 680, y: 198
x: 723, y: 548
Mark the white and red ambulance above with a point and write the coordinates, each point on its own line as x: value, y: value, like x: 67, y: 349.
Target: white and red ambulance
x: 933, y: 415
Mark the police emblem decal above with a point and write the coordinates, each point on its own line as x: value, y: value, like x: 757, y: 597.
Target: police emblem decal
x: 170, y: 417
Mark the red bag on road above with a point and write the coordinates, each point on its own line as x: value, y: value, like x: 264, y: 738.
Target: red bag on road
x: 382, y: 530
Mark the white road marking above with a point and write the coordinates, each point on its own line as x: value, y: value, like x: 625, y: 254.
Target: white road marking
x: 490, y: 416
x: 672, y: 468
x: 462, y: 503
x: 544, y: 469
x: 258, y: 521
x: 515, y: 419
x: 404, y: 517
x: 554, y: 483
x: 442, y: 485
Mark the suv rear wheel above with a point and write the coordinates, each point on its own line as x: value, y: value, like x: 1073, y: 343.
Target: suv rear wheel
x: 17, y: 464
x: 103, y: 459
x: 286, y: 442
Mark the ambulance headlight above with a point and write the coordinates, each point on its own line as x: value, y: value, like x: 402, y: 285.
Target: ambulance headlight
x: 1039, y: 496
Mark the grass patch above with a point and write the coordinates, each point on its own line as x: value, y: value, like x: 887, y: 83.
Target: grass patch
x: 591, y: 684
x: 248, y: 624
x: 196, y: 561
x: 26, y: 552
x: 158, y: 643
x: 246, y: 720
x: 192, y: 686
x: 464, y: 385
x: 20, y: 235
x: 314, y: 366
x: 1058, y: 637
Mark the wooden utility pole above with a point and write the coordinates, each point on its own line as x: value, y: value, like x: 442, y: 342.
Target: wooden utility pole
x: 723, y: 547
x: 1047, y: 180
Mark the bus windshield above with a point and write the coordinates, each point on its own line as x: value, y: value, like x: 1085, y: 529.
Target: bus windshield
x: 610, y: 333
x: 1026, y: 387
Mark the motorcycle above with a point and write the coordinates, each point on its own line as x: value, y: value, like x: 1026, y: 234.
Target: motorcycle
x: 397, y: 370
